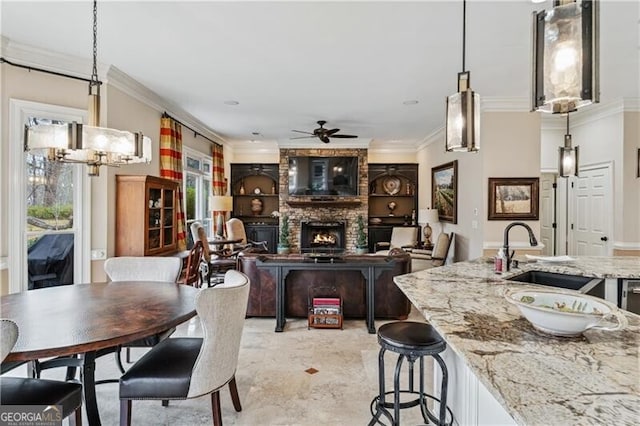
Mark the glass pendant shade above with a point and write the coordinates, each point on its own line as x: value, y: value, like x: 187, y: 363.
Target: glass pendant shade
x: 568, y: 159
x: 565, y: 57
x: 75, y: 142
x: 463, y: 118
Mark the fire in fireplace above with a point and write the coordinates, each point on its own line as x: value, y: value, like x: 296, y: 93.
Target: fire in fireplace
x: 322, y: 235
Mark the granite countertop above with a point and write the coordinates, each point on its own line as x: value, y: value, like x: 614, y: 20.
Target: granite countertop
x: 538, y: 379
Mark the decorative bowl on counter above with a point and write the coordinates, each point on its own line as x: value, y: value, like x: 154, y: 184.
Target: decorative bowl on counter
x: 565, y: 314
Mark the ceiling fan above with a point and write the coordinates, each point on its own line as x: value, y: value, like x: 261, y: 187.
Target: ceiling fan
x: 323, y: 134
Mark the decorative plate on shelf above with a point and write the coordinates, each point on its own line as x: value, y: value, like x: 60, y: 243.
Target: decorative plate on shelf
x: 391, y: 185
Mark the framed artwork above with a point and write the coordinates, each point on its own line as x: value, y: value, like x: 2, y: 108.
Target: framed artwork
x: 638, y: 171
x: 513, y: 198
x: 444, y: 191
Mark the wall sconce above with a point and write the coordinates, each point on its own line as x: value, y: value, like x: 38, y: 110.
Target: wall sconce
x: 462, y: 128
x: 89, y: 144
x: 568, y: 158
x: 565, y: 57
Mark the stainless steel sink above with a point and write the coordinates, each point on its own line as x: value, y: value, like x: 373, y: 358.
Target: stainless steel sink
x: 585, y: 285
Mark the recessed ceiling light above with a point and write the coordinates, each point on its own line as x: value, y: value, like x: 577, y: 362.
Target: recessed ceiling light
x: 410, y: 102
x: 231, y: 102
x: 255, y: 133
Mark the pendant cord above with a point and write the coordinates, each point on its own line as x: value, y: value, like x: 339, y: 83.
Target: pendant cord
x: 464, y: 31
x: 567, y: 123
x: 94, y: 72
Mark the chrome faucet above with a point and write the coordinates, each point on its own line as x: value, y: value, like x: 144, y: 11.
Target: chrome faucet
x: 532, y: 240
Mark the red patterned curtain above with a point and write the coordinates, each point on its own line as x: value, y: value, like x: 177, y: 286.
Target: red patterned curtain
x: 219, y: 182
x: 171, y: 168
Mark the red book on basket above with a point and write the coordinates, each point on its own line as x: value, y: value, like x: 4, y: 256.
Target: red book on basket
x: 326, y: 301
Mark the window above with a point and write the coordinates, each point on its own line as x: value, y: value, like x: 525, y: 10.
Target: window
x: 197, y: 190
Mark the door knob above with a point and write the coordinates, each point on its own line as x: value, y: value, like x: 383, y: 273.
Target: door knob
x: 604, y: 239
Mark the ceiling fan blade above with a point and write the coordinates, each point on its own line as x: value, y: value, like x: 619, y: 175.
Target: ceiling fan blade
x: 344, y: 136
x: 331, y: 132
x: 300, y: 131
x: 304, y: 137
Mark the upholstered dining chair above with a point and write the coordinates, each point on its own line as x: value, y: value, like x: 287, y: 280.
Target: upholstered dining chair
x: 401, y: 237
x: 216, y: 262
x: 26, y: 391
x: 181, y: 368
x: 151, y: 268
x: 236, y: 231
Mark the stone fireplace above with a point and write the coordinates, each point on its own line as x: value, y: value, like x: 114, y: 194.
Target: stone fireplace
x: 308, y: 209
x: 322, y: 236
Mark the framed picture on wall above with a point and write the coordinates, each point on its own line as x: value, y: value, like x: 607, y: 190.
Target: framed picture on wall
x: 444, y: 191
x: 513, y: 198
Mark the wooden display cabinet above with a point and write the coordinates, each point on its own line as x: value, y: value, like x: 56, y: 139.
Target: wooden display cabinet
x: 145, y: 216
x: 393, y: 199
x: 255, y: 197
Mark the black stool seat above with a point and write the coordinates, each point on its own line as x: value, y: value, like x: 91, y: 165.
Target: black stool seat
x: 22, y: 391
x: 411, y: 341
x: 410, y: 338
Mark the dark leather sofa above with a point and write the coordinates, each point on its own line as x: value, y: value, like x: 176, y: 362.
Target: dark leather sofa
x: 390, y: 302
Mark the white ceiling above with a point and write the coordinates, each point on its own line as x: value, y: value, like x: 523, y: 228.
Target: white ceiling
x: 289, y: 64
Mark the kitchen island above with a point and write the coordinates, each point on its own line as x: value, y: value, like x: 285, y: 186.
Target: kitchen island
x: 504, y: 371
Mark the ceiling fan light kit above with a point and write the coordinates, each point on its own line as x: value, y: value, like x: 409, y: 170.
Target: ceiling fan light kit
x: 462, y: 123
x: 323, y: 134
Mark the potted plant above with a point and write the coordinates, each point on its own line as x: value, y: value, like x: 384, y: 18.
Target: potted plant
x: 361, y: 236
x: 283, y: 242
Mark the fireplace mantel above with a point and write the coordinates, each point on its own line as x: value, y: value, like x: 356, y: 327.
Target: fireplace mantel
x: 306, y: 202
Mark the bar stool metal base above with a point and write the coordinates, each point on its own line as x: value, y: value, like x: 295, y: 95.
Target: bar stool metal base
x: 412, y: 341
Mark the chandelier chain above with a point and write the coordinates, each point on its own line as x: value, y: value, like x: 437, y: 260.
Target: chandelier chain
x: 94, y: 73
x: 464, y: 31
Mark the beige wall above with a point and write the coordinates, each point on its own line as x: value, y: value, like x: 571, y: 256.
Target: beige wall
x: 630, y: 232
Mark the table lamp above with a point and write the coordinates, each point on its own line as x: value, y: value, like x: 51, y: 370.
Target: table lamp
x: 221, y: 204
x: 426, y: 217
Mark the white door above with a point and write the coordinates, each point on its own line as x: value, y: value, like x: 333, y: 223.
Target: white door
x: 591, y: 219
x: 548, y: 213
x: 49, y: 207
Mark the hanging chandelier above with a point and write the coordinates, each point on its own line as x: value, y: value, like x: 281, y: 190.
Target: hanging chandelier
x: 565, y: 57
x: 87, y: 143
x: 462, y: 128
x: 568, y: 158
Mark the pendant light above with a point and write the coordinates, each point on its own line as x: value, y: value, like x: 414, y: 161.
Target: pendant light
x: 462, y: 128
x: 565, y: 57
x: 89, y: 144
x: 568, y: 158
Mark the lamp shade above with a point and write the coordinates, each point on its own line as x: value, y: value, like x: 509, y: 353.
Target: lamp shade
x: 565, y: 57
x: 428, y: 216
x: 221, y: 203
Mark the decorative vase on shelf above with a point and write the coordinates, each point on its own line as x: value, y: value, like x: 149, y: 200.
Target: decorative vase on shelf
x: 241, y: 188
x: 256, y: 206
x: 391, y: 206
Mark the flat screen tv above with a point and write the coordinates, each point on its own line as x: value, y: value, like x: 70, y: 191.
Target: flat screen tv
x: 320, y: 176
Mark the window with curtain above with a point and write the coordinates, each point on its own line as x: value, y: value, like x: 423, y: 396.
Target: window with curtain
x: 197, y: 190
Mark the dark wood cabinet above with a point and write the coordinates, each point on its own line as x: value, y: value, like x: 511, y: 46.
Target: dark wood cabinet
x: 393, y: 199
x: 145, y: 216
x: 255, y: 198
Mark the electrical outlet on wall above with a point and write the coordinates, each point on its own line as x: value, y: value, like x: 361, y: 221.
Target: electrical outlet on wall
x: 98, y: 254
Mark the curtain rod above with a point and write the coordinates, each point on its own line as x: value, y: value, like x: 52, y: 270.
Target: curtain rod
x: 195, y: 132
x: 30, y: 68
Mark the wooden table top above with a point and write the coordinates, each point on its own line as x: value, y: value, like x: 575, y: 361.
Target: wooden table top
x: 72, y: 319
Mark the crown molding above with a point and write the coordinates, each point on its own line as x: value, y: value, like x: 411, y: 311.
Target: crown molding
x: 433, y: 137
x: 335, y: 144
x: 122, y: 81
x: 591, y: 113
x: 254, y: 147
x: 497, y: 104
x: 79, y: 67
x: 392, y: 146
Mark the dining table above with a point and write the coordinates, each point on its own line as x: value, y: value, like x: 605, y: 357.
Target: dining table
x: 86, y: 320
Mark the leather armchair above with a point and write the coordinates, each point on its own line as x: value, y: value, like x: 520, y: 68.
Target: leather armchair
x: 404, y: 237
x: 235, y: 230
x: 426, y: 259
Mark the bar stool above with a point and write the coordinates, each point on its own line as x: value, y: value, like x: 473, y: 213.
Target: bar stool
x: 413, y: 341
